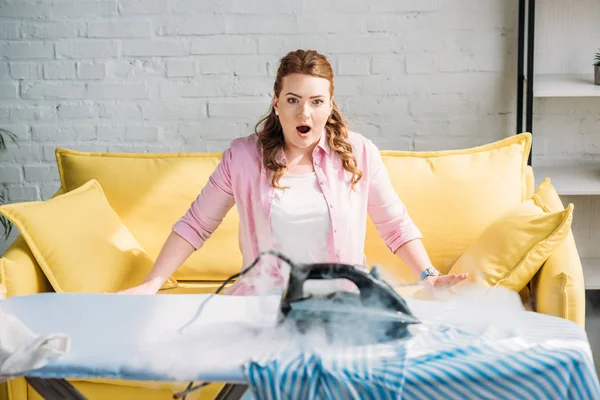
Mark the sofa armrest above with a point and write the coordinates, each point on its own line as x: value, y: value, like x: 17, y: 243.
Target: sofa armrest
x: 558, y: 288
x: 20, y: 272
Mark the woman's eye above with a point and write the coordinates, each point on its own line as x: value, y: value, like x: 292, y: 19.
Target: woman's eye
x: 291, y: 100
x: 318, y: 102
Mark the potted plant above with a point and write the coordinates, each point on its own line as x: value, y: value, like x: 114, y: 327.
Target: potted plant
x: 4, y: 136
x: 597, y: 68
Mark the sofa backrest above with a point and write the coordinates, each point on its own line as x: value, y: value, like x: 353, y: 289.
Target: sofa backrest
x: 451, y: 195
x: 150, y: 192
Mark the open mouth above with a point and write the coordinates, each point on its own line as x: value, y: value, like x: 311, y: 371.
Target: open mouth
x: 303, y: 129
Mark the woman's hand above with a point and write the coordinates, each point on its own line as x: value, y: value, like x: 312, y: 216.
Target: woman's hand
x: 148, y: 287
x: 444, y: 281
x: 173, y: 253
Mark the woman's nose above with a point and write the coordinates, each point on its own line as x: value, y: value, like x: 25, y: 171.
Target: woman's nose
x: 304, y: 111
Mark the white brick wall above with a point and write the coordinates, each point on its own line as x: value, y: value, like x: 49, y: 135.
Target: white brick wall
x: 190, y: 75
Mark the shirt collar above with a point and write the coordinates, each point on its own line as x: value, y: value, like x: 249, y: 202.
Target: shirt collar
x: 324, y: 143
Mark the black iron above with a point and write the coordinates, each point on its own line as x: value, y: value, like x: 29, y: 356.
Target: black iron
x: 372, y: 312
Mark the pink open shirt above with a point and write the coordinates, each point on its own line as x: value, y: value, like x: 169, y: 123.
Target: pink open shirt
x: 241, y: 179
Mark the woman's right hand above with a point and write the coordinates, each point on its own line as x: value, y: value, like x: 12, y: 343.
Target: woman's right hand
x: 173, y: 253
x: 144, y: 288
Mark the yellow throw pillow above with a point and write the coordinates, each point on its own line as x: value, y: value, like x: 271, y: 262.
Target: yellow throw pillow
x: 80, y: 243
x: 558, y: 288
x: 452, y: 196
x: 513, y: 248
x: 150, y: 192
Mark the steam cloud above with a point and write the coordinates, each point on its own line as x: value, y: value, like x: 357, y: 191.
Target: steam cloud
x: 246, y: 327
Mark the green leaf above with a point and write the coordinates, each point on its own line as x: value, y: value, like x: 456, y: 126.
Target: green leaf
x: 6, y: 225
x: 6, y: 133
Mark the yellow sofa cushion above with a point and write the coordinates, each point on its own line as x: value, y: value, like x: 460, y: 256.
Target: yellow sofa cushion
x: 452, y: 196
x: 558, y: 288
x: 513, y: 248
x: 150, y: 192
x: 80, y: 243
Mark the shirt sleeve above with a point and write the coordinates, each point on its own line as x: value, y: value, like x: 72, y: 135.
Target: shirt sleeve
x: 387, y: 211
x: 210, y: 207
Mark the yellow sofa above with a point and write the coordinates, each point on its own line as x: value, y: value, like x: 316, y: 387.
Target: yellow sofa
x: 464, y: 201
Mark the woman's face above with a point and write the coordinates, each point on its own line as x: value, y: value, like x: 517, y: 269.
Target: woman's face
x: 304, y: 105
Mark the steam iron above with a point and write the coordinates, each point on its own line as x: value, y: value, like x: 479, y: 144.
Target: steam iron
x: 372, y: 313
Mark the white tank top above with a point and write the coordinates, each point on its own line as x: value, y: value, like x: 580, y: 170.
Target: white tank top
x: 300, y: 220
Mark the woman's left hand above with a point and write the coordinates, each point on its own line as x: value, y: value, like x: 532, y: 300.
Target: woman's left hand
x: 444, y: 281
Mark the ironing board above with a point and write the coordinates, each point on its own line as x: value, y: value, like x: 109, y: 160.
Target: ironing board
x: 119, y: 336
x: 154, y: 338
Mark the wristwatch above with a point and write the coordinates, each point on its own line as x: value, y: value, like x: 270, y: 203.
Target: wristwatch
x: 430, y: 271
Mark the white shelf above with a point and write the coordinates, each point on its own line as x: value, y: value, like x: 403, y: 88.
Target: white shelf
x: 559, y: 85
x: 591, y: 273
x: 571, y: 179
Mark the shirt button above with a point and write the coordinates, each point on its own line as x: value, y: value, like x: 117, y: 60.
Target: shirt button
x: 335, y: 231
x: 321, y: 182
x: 331, y: 206
x: 316, y: 162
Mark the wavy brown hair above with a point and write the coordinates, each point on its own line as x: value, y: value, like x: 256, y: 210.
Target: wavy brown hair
x: 270, y: 135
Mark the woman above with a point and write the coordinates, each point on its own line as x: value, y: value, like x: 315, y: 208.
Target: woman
x: 302, y: 185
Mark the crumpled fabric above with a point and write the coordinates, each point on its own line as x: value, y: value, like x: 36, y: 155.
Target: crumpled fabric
x: 22, y: 350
